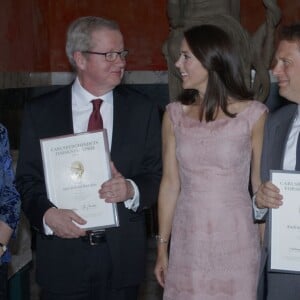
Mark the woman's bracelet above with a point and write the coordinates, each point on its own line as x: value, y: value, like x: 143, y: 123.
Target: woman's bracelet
x: 161, y: 240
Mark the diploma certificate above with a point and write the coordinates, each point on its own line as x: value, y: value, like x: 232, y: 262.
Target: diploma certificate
x: 285, y: 223
x: 75, y: 166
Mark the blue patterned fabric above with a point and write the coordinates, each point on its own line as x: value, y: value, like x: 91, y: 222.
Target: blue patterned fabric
x: 9, y: 197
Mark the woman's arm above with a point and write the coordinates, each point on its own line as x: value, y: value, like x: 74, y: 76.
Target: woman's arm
x: 168, y: 194
x: 257, y: 143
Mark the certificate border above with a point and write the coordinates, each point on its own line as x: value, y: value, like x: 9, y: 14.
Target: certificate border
x: 115, y: 220
x: 271, y: 217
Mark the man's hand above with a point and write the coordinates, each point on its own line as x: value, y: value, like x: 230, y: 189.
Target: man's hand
x: 62, y: 222
x: 116, y: 189
x: 268, y: 196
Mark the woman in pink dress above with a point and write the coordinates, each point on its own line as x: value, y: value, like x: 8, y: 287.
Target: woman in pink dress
x: 212, y: 141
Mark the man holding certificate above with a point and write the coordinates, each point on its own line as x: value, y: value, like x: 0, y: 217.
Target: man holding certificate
x: 280, y: 265
x: 71, y: 261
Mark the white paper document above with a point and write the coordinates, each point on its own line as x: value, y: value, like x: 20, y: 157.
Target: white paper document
x: 285, y: 223
x: 75, y: 166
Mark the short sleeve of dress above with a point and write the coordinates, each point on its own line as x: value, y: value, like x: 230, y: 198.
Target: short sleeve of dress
x: 255, y: 111
x: 174, y: 111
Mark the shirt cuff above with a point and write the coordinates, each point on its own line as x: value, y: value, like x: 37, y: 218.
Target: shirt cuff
x: 47, y: 229
x: 259, y: 213
x: 134, y: 202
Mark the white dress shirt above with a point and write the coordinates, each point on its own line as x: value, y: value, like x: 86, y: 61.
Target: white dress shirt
x: 289, y: 162
x: 81, y: 110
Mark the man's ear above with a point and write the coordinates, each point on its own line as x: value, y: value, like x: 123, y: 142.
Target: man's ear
x: 79, y: 59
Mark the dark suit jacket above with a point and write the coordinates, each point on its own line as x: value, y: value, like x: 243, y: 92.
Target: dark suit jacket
x: 136, y: 153
x: 277, y: 129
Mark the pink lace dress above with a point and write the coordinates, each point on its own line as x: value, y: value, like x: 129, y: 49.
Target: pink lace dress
x: 215, y: 248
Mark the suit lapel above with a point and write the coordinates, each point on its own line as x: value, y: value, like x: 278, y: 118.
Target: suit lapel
x: 281, y: 132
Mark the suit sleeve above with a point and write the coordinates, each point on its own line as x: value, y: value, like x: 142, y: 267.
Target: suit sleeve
x: 260, y: 214
x: 30, y: 176
x: 265, y: 156
x: 148, y: 179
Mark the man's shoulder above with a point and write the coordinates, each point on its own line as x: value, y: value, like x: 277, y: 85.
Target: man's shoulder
x: 132, y: 94
x: 51, y: 94
x: 283, y: 112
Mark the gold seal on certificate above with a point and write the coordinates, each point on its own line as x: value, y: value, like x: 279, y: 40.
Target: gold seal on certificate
x: 77, y: 170
x: 285, y: 223
x: 75, y: 166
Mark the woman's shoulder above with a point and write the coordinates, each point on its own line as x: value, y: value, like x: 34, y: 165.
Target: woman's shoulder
x: 174, y: 110
x: 249, y: 109
x: 253, y: 111
x: 174, y: 107
x: 3, y: 140
x: 3, y: 132
x: 2, y: 128
x: 255, y: 104
x: 250, y: 105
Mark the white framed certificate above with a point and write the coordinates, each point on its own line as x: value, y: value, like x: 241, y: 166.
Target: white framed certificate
x: 285, y: 223
x: 75, y: 166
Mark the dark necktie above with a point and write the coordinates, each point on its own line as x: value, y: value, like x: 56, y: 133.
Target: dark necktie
x: 95, y: 120
x: 297, y: 168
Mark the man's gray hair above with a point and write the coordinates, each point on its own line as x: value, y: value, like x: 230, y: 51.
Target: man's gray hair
x: 80, y: 32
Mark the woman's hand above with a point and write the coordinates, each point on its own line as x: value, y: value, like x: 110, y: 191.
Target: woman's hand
x: 161, y: 267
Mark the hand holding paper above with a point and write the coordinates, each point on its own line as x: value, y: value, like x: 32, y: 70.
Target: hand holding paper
x: 268, y: 196
x: 116, y: 189
x: 63, y: 223
x: 74, y: 167
x: 285, y: 223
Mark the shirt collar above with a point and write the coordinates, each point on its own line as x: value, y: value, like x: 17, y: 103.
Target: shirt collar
x: 83, y: 97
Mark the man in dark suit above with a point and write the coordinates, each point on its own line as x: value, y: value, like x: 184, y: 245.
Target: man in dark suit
x: 72, y: 263
x: 279, y: 153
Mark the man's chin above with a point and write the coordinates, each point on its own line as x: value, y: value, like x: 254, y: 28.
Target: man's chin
x: 283, y: 92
